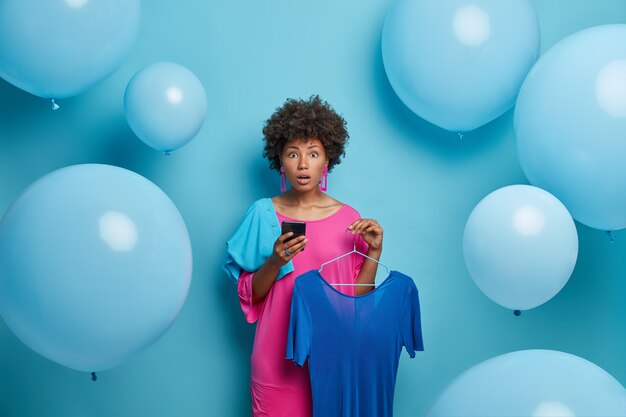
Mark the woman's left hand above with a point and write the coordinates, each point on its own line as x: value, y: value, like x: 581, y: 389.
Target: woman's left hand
x: 371, y: 232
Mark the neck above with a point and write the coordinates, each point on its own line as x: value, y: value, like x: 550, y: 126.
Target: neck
x: 306, y: 199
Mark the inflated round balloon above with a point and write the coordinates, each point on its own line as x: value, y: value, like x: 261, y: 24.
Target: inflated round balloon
x: 57, y: 49
x: 165, y: 105
x: 459, y: 64
x: 534, y: 383
x: 95, y: 264
x: 520, y: 246
x: 570, y: 122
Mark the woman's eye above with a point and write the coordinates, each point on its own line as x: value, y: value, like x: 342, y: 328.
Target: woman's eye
x: 292, y: 155
x: 314, y: 154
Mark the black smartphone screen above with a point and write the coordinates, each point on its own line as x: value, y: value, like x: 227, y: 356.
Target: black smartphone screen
x: 298, y: 229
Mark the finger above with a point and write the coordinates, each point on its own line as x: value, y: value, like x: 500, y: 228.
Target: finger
x: 368, y: 229
x: 297, y: 251
x: 373, y: 228
x: 282, y: 238
x: 355, y: 223
x: 283, y: 252
x: 290, y: 241
x: 354, y: 226
x: 371, y: 221
x: 296, y: 243
x: 362, y: 224
x: 293, y: 250
x: 284, y: 249
x: 281, y: 244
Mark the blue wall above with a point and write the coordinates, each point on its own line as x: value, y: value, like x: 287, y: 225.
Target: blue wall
x: 420, y: 182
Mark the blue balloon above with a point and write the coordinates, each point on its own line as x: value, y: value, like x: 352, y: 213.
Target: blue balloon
x: 95, y: 264
x: 570, y: 124
x: 57, y: 49
x: 520, y: 246
x: 459, y: 64
x: 165, y: 105
x: 533, y: 383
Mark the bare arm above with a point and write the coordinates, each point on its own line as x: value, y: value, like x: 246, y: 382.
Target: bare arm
x: 367, y: 274
x: 372, y: 233
x: 264, y: 277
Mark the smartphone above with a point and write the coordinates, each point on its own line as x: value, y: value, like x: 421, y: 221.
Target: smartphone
x: 298, y: 229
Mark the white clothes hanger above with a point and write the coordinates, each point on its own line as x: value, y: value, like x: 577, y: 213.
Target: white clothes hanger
x: 350, y: 253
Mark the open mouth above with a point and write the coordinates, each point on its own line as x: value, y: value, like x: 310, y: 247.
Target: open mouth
x: 303, y: 179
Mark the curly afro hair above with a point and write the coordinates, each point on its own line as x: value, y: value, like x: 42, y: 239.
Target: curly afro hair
x: 305, y: 119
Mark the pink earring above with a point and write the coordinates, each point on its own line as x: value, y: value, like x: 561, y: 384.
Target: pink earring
x: 324, y: 181
x: 283, y: 180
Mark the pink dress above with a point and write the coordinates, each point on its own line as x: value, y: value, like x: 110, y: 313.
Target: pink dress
x: 278, y: 386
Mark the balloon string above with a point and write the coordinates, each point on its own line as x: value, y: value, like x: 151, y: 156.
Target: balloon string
x: 94, y: 377
x: 460, y: 135
x: 54, y: 105
x: 611, y: 235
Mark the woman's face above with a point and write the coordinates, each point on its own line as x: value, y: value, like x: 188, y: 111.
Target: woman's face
x: 304, y: 160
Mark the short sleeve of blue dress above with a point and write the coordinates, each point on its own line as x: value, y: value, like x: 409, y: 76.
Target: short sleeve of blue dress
x: 299, y: 333
x: 411, y: 326
x: 353, y: 343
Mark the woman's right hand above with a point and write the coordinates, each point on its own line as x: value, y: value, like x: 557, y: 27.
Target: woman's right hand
x: 284, y: 251
x: 265, y: 276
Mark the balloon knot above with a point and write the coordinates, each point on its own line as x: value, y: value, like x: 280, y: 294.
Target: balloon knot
x: 94, y: 377
x: 517, y: 312
x: 54, y: 105
x: 610, y: 235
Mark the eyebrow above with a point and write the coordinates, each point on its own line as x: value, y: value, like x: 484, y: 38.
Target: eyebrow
x: 308, y: 147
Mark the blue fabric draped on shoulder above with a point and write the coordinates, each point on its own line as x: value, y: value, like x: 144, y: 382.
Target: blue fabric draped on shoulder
x: 253, y: 242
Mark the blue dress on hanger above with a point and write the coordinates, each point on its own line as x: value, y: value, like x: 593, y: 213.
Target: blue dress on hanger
x: 353, y: 343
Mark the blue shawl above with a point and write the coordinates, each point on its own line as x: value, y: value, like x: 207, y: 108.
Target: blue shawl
x: 253, y: 242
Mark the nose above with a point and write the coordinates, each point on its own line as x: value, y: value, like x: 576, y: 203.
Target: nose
x: 302, y: 163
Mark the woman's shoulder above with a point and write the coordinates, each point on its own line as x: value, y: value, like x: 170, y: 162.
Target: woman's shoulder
x: 259, y: 209
x: 261, y: 204
x: 350, y: 211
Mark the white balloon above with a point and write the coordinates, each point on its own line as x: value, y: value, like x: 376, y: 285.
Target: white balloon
x: 520, y: 246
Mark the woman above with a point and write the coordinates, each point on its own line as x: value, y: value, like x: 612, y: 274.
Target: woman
x: 304, y: 140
